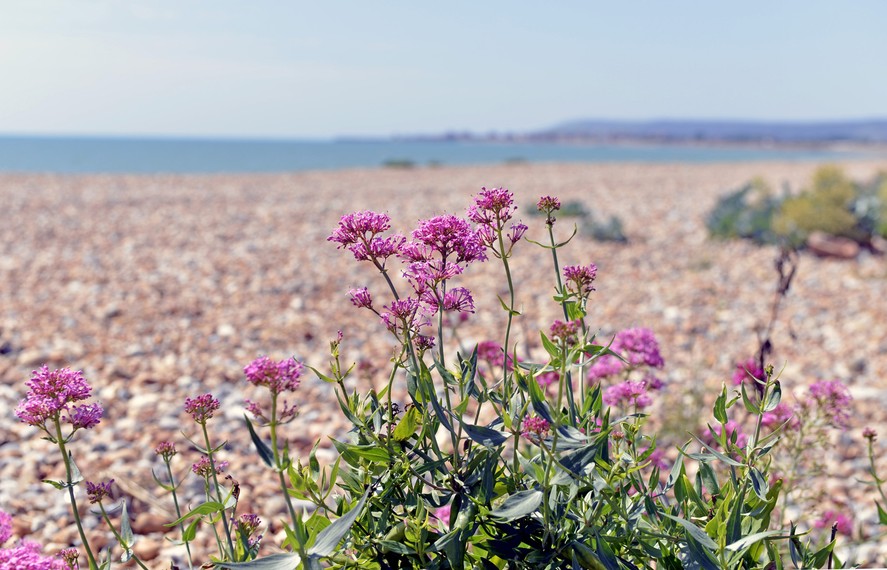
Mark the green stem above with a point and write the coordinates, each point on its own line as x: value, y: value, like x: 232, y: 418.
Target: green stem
x: 61, y: 443
x: 272, y: 425
x: 218, y: 488
x: 123, y: 545
x: 175, y: 501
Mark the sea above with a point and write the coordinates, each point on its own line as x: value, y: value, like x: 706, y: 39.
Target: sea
x: 155, y: 155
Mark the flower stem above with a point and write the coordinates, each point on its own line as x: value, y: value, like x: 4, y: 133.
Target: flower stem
x: 218, y: 488
x: 175, y: 501
x: 127, y: 547
x: 272, y: 425
x: 70, y: 484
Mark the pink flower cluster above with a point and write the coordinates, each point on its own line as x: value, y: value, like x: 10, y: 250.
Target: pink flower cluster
x: 491, y: 211
x: 26, y: 556
x: 51, y: 393
x: 842, y: 521
x: 781, y: 414
x: 534, y: 427
x: 746, y: 370
x: 566, y: 332
x: 276, y: 375
x: 834, y: 401
x: 204, y: 468
x: 628, y: 393
x: 202, y: 407
x: 638, y: 346
x: 97, y: 492
x: 579, y: 279
x: 246, y: 526
x: 359, y: 233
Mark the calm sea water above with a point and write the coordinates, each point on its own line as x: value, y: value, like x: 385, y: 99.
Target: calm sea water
x: 88, y: 155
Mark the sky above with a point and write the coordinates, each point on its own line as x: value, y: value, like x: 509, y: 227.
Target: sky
x: 326, y: 69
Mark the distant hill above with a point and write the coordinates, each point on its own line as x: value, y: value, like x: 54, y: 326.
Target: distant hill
x: 859, y: 131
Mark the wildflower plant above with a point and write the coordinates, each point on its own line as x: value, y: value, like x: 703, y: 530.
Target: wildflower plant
x: 478, y: 456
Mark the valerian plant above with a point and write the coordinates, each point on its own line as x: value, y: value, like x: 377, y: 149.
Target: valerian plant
x: 474, y: 456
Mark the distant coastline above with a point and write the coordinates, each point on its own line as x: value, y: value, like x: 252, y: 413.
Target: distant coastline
x: 856, y: 134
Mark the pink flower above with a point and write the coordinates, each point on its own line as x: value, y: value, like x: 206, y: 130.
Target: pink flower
x: 443, y: 514
x: 638, y: 346
x: 546, y: 379
x: 834, y: 401
x: 733, y: 429
x: 96, y: 492
x: 204, y: 468
x: 361, y: 298
x: 492, y: 207
x: 779, y: 415
x: 276, y: 375
x: 745, y: 370
x: 85, y: 416
x: 166, y: 450
x: 458, y: 299
x: 534, y: 427
x: 446, y: 236
x: 202, y: 407
x: 358, y: 232
x: 52, y: 392
x: 843, y: 521
x: 628, y: 393
x: 26, y: 556
x: 566, y: 332
x: 579, y: 279
x: 548, y: 204
x: 5, y: 526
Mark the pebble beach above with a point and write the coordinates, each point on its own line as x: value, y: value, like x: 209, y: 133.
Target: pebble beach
x: 163, y: 287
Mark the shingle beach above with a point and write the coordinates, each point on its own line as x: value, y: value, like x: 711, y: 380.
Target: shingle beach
x: 163, y: 287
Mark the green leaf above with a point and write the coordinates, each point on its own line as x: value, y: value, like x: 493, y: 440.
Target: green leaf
x: 264, y: 451
x: 76, y: 475
x: 773, y: 397
x: 552, y: 349
x: 506, y: 307
x: 697, y: 533
x: 408, y: 425
x: 488, y: 437
x: 283, y: 561
x: 57, y: 484
x: 759, y: 483
x: 750, y: 406
x: 126, y: 537
x: 518, y: 505
x: 747, y: 542
x: 720, y: 409
x: 353, y: 453
x: 191, y: 531
x: 323, y: 377
x: 330, y: 537
x: 206, y: 508
x: 882, y: 515
x: 717, y: 454
x: 709, y: 478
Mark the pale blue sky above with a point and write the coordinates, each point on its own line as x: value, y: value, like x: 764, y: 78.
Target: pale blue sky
x: 333, y: 68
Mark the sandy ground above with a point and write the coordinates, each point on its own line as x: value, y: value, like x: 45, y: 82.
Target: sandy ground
x: 162, y: 287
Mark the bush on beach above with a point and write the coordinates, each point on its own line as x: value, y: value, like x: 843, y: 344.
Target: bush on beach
x: 481, y: 456
x: 833, y: 205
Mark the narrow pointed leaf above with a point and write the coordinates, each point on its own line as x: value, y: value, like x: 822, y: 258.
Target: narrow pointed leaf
x: 518, y: 505
x: 282, y: 561
x: 330, y: 537
x: 697, y: 533
x: 264, y: 451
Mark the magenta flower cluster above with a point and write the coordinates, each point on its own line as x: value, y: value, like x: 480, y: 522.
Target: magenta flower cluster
x: 491, y: 211
x: 639, y: 348
x: 52, y: 393
x: 97, y: 492
x: 276, y: 375
x: 534, y: 427
x: 579, y: 278
x: 202, y: 407
x: 566, y: 332
x: 26, y: 556
x: 834, y: 401
x: 628, y: 393
x: 246, y: 526
x: 842, y: 521
x: 746, y: 370
x: 204, y: 467
x: 359, y: 233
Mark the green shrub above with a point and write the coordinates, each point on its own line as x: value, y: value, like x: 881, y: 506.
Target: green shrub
x: 746, y: 213
x: 826, y: 207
